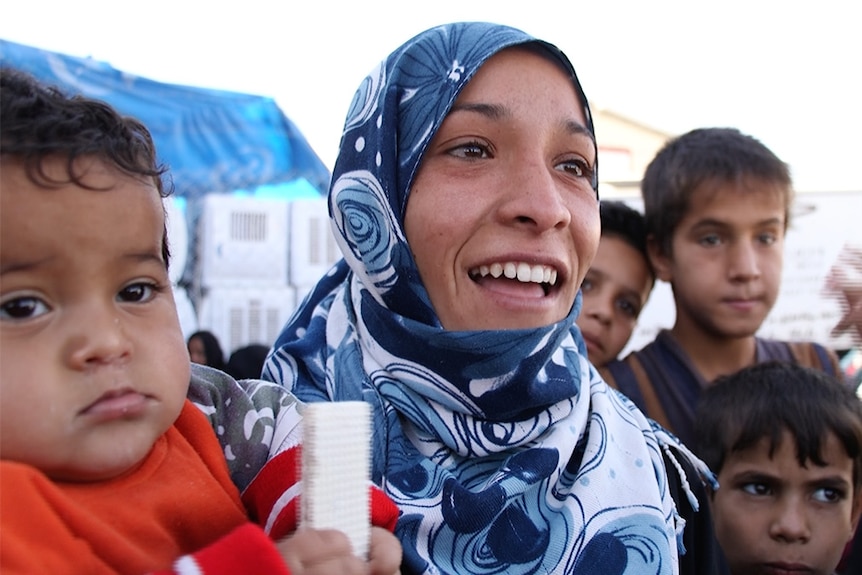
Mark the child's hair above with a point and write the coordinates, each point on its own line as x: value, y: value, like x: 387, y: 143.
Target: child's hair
x: 767, y: 399
x: 622, y: 221
x: 689, y: 160
x: 40, y: 122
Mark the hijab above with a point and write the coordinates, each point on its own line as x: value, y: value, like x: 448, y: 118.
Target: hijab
x: 504, y: 449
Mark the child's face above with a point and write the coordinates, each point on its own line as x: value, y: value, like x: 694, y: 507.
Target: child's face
x: 93, y: 365
x: 615, y: 290
x: 773, y: 516
x: 726, y: 259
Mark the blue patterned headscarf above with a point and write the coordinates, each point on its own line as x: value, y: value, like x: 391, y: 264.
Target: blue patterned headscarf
x: 504, y: 450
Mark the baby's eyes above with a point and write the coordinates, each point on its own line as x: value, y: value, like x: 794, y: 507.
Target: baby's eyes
x: 22, y: 308
x: 137, y: 292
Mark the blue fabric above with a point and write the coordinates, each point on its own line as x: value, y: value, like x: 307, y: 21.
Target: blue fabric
x: 212, y: 140
x: 504, y: 450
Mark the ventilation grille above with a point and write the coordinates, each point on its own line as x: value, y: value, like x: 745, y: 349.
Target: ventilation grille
x: 248, y: 226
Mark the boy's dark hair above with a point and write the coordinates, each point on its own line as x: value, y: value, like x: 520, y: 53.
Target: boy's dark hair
x: 40, y: 121
x: 622, y: 221
x: 689, y: 160
x: 767, y: 399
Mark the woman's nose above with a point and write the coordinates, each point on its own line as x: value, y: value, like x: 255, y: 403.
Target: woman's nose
x: 534, y: 197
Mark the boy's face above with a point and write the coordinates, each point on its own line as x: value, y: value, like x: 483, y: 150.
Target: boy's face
x: 615, y: 291
x: 772, y: 515
x: 93, y: 365
x: 726, y: 259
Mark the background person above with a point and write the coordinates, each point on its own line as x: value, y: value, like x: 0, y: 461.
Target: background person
x: 786, y: 443
x: 717, y: 206
x: 205, y: 349
x: 617, y: 285
x: 247, y: 361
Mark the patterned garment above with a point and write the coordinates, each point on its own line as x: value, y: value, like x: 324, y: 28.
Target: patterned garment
x: 504, y: 450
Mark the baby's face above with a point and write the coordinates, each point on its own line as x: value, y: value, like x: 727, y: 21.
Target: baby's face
x: 774, y: 516
x: 93, y: 364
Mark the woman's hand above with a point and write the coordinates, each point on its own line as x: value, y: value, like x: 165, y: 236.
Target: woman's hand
x: 328, y: 552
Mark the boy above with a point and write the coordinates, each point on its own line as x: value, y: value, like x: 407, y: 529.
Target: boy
x: 618, y: 284
x: 105, y: 465
x: 786, y: 444
x: 717, y: 206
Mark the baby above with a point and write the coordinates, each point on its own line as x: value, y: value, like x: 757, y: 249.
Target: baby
x: 105, y: 465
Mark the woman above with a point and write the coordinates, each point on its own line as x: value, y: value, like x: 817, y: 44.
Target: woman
x: 464, y: 199
x: 205, y: 349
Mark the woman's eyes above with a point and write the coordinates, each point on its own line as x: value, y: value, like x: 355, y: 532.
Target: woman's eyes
x: 21, y: 308
x: 578, y: 168
x: 471, y: 150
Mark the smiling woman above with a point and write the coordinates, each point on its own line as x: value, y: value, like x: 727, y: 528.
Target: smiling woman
x: 464, y: 199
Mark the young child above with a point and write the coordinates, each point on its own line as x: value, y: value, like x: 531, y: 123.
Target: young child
x: 786, y: 443
x: 105, y: 465
x: 717, y: 206
x: 618, y: 284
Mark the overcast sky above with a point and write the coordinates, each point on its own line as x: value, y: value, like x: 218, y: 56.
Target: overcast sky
x: 789, y: 73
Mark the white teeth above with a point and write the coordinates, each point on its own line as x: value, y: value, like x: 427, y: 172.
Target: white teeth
x: 521, y: 271
x: 537, y: 274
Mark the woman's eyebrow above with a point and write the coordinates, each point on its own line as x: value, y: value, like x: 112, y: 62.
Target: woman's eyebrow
x: 576, y: 128
x: 491, y: 111
x: 497, y: 112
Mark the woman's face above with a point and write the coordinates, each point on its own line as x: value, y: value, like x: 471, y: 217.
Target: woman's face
x: 501, y: 218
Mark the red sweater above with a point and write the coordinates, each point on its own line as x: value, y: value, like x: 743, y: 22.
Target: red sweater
x: 178, y: 512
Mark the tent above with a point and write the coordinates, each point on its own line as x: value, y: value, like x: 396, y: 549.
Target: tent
x: 213, y: 141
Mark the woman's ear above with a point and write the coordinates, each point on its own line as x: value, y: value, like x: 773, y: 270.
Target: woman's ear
x: 661, y: 262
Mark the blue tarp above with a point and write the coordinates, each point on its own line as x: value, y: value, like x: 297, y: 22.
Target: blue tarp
x: 212, y: 140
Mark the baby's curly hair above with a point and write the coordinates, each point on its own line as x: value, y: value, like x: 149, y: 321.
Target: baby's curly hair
x: 40, y: 121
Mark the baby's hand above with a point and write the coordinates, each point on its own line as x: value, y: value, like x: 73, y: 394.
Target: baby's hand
x: 328, y: 552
